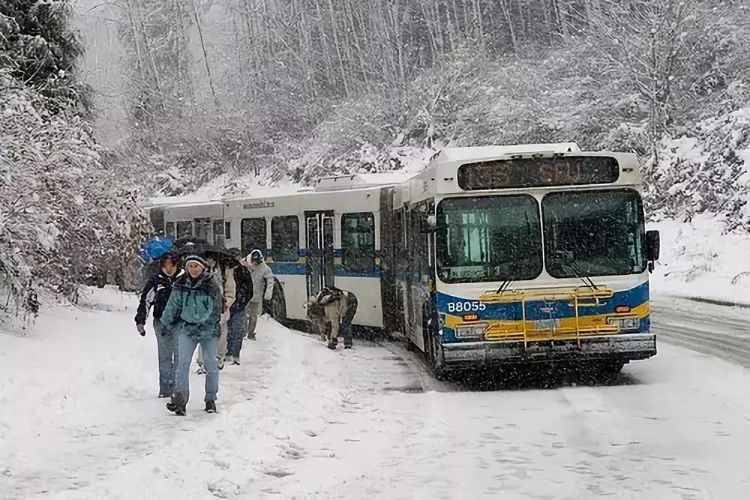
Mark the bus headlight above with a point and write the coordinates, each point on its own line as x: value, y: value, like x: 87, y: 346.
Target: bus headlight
x: 471, y: 331
x: 626, y: 323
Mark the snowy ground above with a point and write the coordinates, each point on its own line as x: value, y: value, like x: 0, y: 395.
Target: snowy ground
x: 80, y: 420
x: 699, y: 259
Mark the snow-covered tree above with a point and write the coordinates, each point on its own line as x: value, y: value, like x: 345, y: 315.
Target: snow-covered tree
x: 64, y: 208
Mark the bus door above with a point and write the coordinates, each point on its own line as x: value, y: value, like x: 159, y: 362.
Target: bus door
x: 319, y: 229
x: 202, y: 229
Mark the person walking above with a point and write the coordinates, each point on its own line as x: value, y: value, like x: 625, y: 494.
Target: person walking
x: 237, y: 312
x: 193, y: 313
x: 262, y: 277
x: 156, y: 294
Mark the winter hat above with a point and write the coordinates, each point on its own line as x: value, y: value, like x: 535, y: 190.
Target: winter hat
x: 255, y: 255
x: 197, y: 259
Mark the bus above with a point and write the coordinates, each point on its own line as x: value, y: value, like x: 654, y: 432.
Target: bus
x: 489, y: 256
x: 525, y: 254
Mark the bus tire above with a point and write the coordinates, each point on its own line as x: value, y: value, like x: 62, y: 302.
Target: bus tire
x: 438, y: 360
x: 602, y: 372
x: 278, y: 303
x: 432, y: 349
x: 609, y: 371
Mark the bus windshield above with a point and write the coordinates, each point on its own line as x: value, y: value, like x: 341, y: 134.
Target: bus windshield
x: 594, y: 233
x: 493, y: 238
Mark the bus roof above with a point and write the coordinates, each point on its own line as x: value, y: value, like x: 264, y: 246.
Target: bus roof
x: 472, y: 154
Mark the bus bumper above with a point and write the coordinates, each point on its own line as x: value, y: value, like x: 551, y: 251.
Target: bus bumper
x: 620, y: 347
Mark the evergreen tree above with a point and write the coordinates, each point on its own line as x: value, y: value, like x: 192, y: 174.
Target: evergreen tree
x: 40, y: 49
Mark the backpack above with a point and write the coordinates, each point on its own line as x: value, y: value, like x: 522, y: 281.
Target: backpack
x: 328, y: 295
x: 244, y: 282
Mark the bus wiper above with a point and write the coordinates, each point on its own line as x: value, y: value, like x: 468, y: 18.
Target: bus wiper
x: 586, y: 279
x: 504, y: 286
x: 567, y: 260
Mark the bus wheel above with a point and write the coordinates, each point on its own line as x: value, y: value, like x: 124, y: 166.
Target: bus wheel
x: 438, y: 362
x: 609, y: 371
x: 278, y: 303
x: 602, y: 372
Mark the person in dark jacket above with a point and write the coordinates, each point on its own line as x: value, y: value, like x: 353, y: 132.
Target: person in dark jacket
x: 237, y: 323
x: 155, y: 294
x: 193, y: 314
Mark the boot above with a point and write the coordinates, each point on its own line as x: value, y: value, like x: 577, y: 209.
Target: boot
x: 236, y: 360
x: 332, y: 346
x: 210, y: 406
x: 178, y: 405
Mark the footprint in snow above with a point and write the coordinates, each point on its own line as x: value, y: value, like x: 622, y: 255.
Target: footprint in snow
x: 276, y: 472
x: 223, y: 488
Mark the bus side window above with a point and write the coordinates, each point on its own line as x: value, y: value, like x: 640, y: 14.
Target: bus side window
x: 184, y: 229
x: 228, y: 230
x: 218, y: 231
x: 202, y: 229
x: 399, y: 244
x: 253, y: 235
x: 358, y: 241
x: 170, y: 231
x: 285, y: 238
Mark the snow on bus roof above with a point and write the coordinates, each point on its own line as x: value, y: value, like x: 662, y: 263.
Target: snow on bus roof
x: 178, y: 201
x: 355, y: 181
x: 486, y: 152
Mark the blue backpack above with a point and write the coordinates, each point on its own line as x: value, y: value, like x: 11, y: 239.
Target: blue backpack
x: 155, y: 248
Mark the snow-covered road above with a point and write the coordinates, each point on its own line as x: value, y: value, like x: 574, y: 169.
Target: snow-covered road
x: 79, y: 420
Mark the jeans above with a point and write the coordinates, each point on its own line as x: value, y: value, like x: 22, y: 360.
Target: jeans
x: 167, y: 348
x: 236, y: 326
x: 185, y: 348
x: 254, y: 309
x: 222, y: 346
x: 346, y: 320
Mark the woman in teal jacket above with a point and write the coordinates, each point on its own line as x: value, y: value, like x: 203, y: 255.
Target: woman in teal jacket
x: 193, y: 313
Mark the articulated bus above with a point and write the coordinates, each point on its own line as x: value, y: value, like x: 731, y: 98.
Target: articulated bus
x: 526, y: 253
x: 488, y: 256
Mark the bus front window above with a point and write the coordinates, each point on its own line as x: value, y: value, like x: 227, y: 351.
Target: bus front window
x: 493, y: 238
x: 594, y: 233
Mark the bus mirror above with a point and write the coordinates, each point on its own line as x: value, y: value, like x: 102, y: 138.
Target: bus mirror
x: 653, y: 246
x: 428, y: 225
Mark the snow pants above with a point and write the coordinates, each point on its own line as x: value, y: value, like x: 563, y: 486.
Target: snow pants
x: 185, y: 349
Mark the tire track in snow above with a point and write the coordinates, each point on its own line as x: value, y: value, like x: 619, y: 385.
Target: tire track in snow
x: 719, y: 331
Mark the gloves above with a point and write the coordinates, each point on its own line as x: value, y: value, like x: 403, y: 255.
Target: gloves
x: 141, y: 329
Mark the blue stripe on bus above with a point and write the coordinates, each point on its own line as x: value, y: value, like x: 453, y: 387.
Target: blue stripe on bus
x: 341, y: 272
x: 289, y: 268
x: 551, y: 308
x: 298, y: 269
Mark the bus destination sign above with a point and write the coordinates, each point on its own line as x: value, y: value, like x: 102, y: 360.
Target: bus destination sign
x: 538, y: 172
